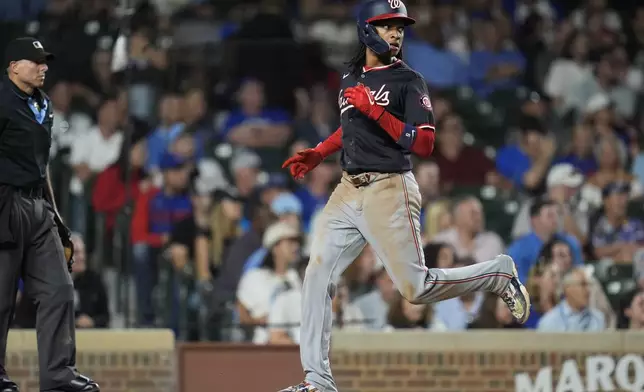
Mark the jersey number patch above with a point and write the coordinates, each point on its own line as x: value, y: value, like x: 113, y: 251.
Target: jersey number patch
x: 426, y: 103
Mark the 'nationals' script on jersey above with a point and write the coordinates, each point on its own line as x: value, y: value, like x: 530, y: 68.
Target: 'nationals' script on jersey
x: 366, y: 146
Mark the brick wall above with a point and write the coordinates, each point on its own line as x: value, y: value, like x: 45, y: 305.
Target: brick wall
x: 445, y: 372
x: 410, y: 361
x: 473, y: 361
x: 120, y: 361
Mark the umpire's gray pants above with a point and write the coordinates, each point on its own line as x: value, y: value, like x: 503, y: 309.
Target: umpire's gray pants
x: 385, y: 214
x: 38, y: 257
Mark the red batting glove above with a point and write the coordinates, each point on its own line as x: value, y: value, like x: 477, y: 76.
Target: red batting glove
x: 361, y: 98
x: 303, y: 162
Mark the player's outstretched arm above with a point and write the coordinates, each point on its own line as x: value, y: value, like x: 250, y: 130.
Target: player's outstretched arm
x: 417, y: 139
x: 330, y: 145
x: 306, y: 160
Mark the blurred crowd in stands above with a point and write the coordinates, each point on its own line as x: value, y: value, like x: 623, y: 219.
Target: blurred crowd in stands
x: 168, y: 146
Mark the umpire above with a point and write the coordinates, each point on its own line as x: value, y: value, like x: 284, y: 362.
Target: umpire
x: 34, y: 243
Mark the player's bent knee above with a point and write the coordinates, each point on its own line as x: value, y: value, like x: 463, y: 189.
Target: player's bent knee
x: 413, y: 294
x: 414, y: 299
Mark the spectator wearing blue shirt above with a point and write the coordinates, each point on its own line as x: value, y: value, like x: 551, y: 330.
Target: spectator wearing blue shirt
x: 556, y: 259
x: 526, y: 163
x: 492, y: 67
x: 545, y: 225
x: 156, y: 211
x: 573, y: 313
x: 457, y: 313
x: 544, y: 279
x: 581, y: 154
x: 254, y: 126
x: 427, y: 54
x: 168, y: 130
x: 615, y: 235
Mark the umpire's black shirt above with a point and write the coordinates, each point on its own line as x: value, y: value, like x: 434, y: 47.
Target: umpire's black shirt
x: 366, y: 147
x: 25, y: 136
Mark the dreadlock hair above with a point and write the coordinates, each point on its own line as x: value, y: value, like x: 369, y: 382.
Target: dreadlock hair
x: 359, y: 60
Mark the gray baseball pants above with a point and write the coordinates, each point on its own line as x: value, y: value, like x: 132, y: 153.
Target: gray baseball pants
x: 385, y: 213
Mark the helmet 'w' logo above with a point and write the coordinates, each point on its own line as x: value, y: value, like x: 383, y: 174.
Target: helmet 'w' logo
x: 395, y: 3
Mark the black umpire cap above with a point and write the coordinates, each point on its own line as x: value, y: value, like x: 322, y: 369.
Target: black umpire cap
x: 26, y: 48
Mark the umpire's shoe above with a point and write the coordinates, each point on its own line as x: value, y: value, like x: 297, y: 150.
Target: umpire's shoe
x: 303, y: 387
x: 516, y: 296
x: 79, y: 384
x: 7, y: 385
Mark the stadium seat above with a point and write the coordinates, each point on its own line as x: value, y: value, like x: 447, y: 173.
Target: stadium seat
x: 480, y: 118
x: 508, y: 103
x: 636, y: 209
x: 499, y: 217
x: 616, y: 279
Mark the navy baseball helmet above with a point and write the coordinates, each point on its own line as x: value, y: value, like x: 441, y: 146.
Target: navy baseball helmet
x: 371, y: 11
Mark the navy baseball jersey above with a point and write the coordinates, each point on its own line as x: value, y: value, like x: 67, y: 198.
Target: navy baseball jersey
x: 366, y: 147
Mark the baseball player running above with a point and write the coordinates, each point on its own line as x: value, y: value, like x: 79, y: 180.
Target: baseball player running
x: 386, y: 115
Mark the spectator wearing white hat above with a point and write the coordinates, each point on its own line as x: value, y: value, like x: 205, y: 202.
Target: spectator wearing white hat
x: 597, y: 103
x: 601, y: 116
x: 259, y: 287
x: 563, y: 183
x: 287, y: 208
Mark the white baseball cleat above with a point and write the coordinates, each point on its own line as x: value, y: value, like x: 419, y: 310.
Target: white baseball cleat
x: 516, y: 296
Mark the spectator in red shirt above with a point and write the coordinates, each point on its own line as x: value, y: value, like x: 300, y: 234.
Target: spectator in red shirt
x: 460, y: 165
x: 108, y: 196
x: 155, y: 213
